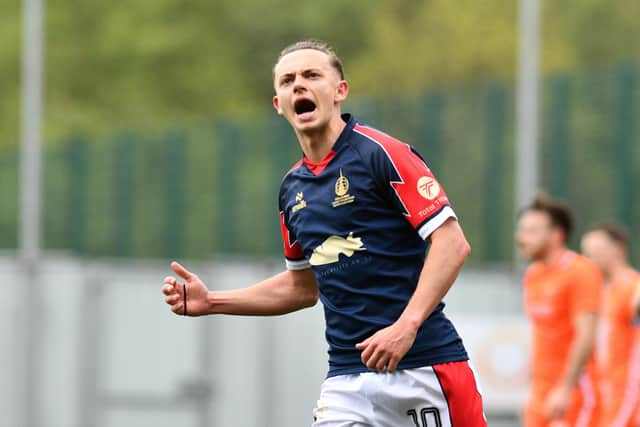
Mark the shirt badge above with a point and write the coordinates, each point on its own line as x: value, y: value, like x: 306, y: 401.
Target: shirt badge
x: 342, y: 192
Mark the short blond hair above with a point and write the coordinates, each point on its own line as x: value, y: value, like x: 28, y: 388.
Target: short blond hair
x: 318, y: 45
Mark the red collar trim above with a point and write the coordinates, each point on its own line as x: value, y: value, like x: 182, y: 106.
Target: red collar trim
x: 317, y: 168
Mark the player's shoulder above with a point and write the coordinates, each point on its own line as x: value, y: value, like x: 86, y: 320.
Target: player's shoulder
x: 290, y: 175
x: 533, y: 271
x: 383, y: 150
x: 580, y: 262
x: 627, y: 289
x: 372, y: 141
x: 581, y: 266
x: 631, y: 280
x: 294, y: 168
x: 376, y: 136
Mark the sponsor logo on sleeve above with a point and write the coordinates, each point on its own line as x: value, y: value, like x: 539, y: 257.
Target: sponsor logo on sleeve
x: 428, y: 187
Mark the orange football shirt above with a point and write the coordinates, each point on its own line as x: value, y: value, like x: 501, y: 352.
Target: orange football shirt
x: 554, y: 296
x: 618, y: 353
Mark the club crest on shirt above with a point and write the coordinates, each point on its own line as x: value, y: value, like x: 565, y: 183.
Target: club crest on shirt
x: 301, y: 203
x: 428, y: 187
x: 342, y: 192
x: 329, y: 251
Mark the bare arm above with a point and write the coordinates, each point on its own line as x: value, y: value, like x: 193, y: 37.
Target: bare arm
x: 449, y: 249
x: 635, y: 301
x: 558, y: 399
x: 280, y: 294
x: 581, y: 348
x: 447, y: 254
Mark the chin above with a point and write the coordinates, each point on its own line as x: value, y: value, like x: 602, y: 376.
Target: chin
x: 527, y: 255
x: 310, y: 126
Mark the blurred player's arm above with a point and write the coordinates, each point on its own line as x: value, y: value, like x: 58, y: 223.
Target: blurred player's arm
x: 280, y: 294
x: 449, y: 249
x: 584, y: 301
x: 635, y: 304
x: 581, y: 348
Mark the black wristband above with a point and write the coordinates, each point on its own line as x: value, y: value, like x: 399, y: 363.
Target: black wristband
x: 184, y: 292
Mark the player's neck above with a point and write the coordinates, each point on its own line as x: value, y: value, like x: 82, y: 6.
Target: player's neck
x: 317, y: 144
x: 553, y: 255
x: 618, y: 272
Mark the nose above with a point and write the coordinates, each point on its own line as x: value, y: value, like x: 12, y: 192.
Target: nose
x: 298, y: 86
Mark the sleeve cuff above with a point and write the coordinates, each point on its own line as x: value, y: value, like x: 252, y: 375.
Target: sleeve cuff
x: 435, y: 222
x: 300, y: 264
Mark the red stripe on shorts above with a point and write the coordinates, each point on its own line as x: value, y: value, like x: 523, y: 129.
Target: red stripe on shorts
x: 461, y: 390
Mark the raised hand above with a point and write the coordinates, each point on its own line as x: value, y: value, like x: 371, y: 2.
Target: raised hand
x: 188, y: 298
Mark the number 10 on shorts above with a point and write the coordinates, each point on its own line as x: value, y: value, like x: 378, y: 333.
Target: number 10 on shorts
x: 429, y: 417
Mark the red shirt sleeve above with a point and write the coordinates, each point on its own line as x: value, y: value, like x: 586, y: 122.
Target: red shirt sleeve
x: 412, y: 186
x: 294, y: 257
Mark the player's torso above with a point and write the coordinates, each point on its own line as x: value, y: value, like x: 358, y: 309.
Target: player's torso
x: 548, y: 293
x: 341, y: 212
x: 617, y: 345
x: 366, y: 256
x: 547, y: 296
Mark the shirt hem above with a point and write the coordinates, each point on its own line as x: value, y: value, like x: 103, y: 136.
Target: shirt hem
x: 361, y: 369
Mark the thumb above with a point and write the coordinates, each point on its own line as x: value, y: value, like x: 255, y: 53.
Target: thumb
x: 181, y: 271
x: 363, y: 344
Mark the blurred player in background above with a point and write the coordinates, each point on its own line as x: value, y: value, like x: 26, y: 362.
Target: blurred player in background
x: 561, y: 296
x: 357, y: 213
x: 618, y: 344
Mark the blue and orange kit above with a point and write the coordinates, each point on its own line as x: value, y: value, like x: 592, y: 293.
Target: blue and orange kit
x: 361, y: 219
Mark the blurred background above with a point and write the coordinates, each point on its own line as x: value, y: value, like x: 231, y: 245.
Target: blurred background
x: 156, y: 141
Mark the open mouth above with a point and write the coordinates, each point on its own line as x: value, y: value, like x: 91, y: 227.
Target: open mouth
x: 302, y: 106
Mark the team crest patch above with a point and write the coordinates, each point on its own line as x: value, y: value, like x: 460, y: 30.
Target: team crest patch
x: 428, y: 187
x: 342, y: 192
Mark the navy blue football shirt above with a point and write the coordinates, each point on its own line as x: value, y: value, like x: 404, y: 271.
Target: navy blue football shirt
x: 360, y: 219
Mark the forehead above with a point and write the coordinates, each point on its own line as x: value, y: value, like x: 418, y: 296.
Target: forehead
x: 302, y: 59
x: 535, y: 218
x: 596, y: 237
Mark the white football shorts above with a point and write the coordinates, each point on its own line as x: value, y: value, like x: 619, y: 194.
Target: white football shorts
x: 445, y: 395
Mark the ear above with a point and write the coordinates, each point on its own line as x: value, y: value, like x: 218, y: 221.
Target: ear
x: 276, y: 104
x: 341, y: 92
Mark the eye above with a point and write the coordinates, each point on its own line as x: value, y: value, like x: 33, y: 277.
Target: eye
x: 285, y: 80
